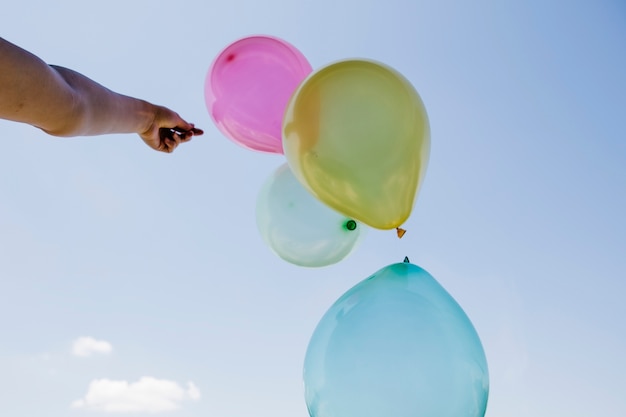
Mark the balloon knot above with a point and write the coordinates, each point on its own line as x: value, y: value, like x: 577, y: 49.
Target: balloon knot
x: 400, y: 232
x: 406, y: 260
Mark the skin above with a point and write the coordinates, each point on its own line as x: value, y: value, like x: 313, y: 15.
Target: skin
x: 64, y: 103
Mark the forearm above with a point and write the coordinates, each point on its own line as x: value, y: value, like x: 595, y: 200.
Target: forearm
x: 98, y: 110
x: 63, y: 102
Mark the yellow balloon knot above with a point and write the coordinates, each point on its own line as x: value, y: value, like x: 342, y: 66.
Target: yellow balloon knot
x: 400, y: 232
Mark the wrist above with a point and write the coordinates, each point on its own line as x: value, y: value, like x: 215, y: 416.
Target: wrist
x: 146, y: 117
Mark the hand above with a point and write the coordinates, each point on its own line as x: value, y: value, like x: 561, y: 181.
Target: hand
x: 167, y: 130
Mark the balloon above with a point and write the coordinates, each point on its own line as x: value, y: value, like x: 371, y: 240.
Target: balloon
x: 396, y: 344
x: 356, y: 134
x: 299, y: 228
x: 247, y: 89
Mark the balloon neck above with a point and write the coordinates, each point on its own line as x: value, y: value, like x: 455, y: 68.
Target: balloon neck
x: 350, y: 225
x: 400, y: 232
x: 406, y: 260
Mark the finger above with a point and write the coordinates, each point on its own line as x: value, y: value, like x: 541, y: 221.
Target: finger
x: 184, y: 132
x: 183, y: 125
x: 169, y: 145
x: 174, y: 134
x: 186, y: 137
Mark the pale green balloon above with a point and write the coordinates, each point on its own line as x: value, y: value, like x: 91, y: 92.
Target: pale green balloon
x: 299, y: 228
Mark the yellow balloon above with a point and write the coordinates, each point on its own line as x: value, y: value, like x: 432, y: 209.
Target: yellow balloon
x: 356, y: 135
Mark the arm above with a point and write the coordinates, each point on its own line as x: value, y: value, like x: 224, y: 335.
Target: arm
x: 63, y: 102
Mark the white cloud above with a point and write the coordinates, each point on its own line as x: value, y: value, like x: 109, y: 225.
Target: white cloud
x: 87, y: 346
x: 148, y: 395
x: 192, y: 391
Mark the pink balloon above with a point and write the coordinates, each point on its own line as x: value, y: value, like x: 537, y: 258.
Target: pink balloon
x: 248, y: 86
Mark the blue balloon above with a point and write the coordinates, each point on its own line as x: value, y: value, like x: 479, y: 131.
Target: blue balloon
x: 396, y: 345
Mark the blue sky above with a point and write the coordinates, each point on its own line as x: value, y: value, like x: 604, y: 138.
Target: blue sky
x: 158, y: 259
